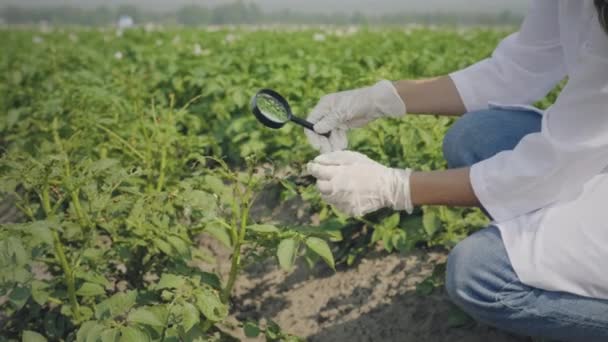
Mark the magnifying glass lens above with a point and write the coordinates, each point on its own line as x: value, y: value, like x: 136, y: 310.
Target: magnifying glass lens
x: 272, y: 109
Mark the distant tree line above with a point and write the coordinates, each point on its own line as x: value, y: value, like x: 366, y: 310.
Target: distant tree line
x: 239, y: 13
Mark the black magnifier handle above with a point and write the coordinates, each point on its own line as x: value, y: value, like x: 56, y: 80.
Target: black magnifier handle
x: 307, y: 124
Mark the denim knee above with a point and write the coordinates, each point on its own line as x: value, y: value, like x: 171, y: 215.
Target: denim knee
x: 481, y: 134
x: 481, y: 281
x: 477, y: 269
x: 458, y: 144
x: 460, y: 272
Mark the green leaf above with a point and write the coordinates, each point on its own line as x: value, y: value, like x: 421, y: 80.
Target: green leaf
x: 202, y: 254
x: 239, y: 98
x: 161, y: 312
x: 430, y: 222
x: 146, y: 317
x: 40, y: 292
x: 41, y: 232
x: 167, y: 295
x: 32, y: 336
x: 84, y: 329
x: 102, y: 164
x: 287, y: 252
x: 290, y: 190
x: 391, y: 221
x: 90, y: 289
x: 251, y: 329
x: 91, y: 277
x: 164, y: 247
x: 263, y: 228
x: 321, y: 247
x: 89, y: 331
x: 116, y: 305
x: 170, y: 281
x: 92, y: 254
x: 398, y: 240
x: 333, y: 228
x: 85, y: 312
x: 110, y: 335
x: 19, y: 296
x: 15, y: 251
x: 199, y: 200
x: 131, y: 334
x: 220, y: 232
x: 273, y: 330
x: 387, y: 242
x: 209, y: 303
x: 71, y: 230
x: 190, y: 316
x: 196, y: 334
x: 211, y: 279
x: 449, y: 214
x: 425, y: 135
x: 181, y: 246
x: 377, y: 235
x: 215, y: 184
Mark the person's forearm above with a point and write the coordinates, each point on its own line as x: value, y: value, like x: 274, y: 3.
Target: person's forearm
x: 448, y: 187
x: 437, y: 96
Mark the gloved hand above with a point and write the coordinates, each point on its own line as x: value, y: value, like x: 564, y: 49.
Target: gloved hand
x: 336, y: 113
x: 357, y: 185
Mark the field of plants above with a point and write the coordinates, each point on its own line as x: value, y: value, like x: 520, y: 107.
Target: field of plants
x: 131, y: 157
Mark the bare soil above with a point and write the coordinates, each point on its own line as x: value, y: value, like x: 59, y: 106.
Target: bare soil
x: 374, y: 300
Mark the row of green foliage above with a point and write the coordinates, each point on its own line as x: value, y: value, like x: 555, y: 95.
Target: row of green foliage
x: 123, y: 150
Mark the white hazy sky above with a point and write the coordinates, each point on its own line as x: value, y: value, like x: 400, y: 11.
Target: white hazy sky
x: 367, y: 6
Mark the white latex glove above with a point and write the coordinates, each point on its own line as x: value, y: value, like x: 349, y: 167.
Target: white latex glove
x: 336, y: 113
x: 357, y: 185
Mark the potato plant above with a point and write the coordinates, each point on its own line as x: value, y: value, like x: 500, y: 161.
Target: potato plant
x: 103, y: 254
x: 107, y: 250
x: 124, y: 150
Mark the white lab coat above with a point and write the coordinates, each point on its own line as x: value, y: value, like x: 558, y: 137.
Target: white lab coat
x: 549, y: 195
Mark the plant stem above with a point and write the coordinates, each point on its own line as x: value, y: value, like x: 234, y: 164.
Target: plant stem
x: 236, y: 253
x: 78, y: 209
x: 234, y: 268
x: 163, y: 164
x: 69, y: 275
x: 84, y: 223
x: 74, y: 193
x: 148, y: 144
x: 122, y: 141
x: 235, y: 214
x: 61, y: 258
x: 27, y: 211
x: 46, y: 202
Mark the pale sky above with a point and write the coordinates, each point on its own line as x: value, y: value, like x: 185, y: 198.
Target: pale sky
x: 367, y: 6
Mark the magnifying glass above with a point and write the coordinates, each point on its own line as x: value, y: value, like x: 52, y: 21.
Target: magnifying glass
x: 272, y: 110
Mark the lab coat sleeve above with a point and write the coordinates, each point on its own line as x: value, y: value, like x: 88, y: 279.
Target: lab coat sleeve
x: 570, y: 149
x: 524, y: 67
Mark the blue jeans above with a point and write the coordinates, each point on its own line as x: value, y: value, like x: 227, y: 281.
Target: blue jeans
x: 480, y: 278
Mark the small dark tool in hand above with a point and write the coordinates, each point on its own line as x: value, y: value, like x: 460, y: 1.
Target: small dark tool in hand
x: 273, y: 111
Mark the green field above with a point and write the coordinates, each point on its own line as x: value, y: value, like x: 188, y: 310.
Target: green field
x: 121, y: 150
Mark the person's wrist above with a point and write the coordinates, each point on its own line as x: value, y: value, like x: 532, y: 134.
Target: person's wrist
x: 400, y: 193
x: 386, y: 99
